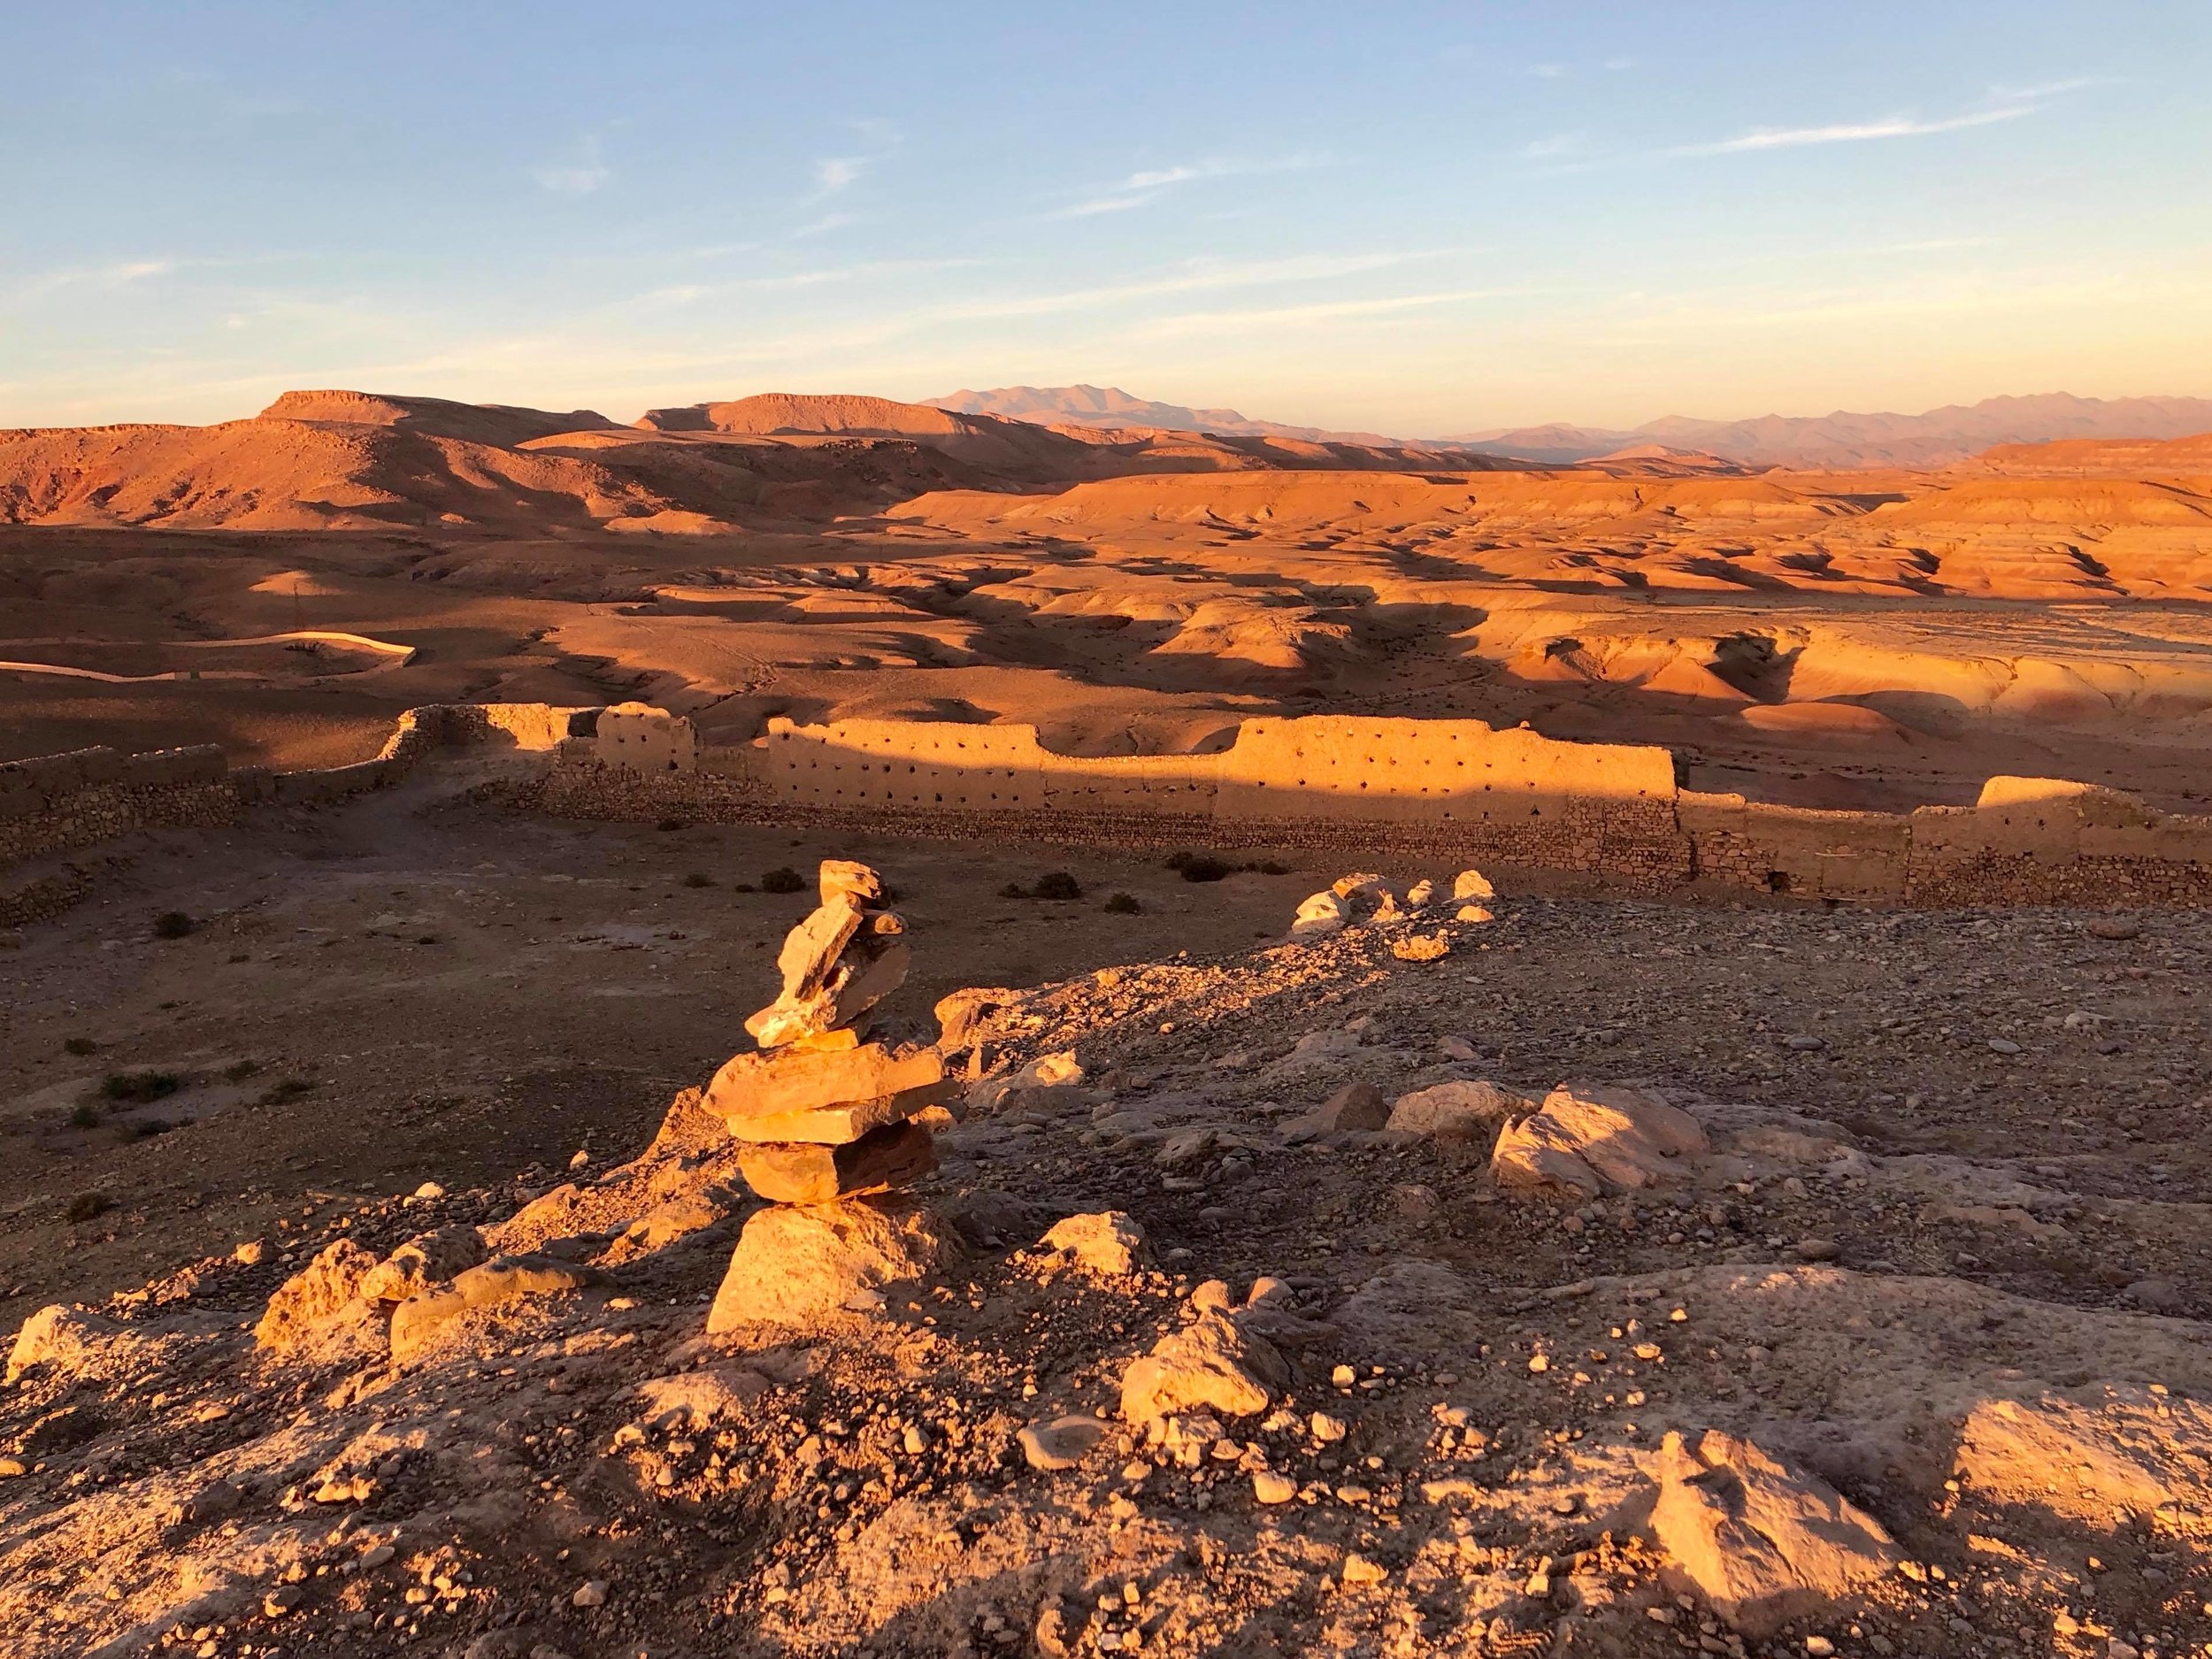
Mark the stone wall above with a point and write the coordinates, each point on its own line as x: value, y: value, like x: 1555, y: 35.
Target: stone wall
x: 1355, y: 788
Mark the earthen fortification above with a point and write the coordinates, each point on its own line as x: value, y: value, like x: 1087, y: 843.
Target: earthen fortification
x: 1614, y: 815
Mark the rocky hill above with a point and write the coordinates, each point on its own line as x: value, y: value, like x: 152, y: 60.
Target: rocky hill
x: 1279, y: 1302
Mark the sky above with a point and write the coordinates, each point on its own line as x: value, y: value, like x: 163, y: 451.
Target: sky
x: 1417, y: 219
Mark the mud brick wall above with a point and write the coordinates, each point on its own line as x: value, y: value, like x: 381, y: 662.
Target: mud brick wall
x: 1352, y: 789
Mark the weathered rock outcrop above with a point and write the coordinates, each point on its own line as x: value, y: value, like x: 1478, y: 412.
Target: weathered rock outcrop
x: 1762, y: 1544
x: 1586, y: 1141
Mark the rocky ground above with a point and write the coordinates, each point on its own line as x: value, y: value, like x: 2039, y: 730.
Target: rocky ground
x: 1922, y: 1304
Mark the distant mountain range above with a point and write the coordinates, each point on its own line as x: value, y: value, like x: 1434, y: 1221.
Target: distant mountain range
x: 1936, y: 438
x: 1111, y: 407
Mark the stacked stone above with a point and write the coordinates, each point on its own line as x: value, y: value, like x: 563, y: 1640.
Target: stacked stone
x: 823, y: 1114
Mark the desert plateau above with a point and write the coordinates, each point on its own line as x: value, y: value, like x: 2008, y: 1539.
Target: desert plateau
x: 1004, y: 833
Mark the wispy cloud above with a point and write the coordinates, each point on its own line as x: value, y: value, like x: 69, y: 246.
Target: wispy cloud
x: 833, y: 174
x: 107, y: 278
x: 1999, y: 104
x: 1146, y: 186
x: 587, y: 173
x: 1853, y: 132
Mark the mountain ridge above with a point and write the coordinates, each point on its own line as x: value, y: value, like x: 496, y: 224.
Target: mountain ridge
x: 1942, y: 436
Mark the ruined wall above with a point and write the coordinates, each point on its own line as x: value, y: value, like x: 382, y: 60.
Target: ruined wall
x: 58, y: 801
x: 1345, y: 786
x: 56, y: 809
x: 644, y: 739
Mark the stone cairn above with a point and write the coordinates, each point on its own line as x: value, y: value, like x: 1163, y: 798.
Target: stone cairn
x: 825, y: 1118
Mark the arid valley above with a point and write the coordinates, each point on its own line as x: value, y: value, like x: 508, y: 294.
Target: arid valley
x: 1734, y: 1181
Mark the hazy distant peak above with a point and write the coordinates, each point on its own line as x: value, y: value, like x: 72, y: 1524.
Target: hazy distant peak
x: 1937, y: 437
x: 1110, y: 406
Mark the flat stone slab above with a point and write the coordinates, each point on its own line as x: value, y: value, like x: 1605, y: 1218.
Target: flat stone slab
x: 788, y: 1081
x: 804, y: 1172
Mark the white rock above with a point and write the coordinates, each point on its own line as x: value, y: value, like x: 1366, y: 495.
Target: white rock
x: 1322, y: 914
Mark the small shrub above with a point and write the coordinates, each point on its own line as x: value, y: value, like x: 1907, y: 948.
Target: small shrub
x: 147, y: 1128
x: 79, y: 1045
x: 1058, y: 885
x: 669, y: 823
x: 84, y: 1206
x: 172, y: 924
x: 1204, y: 867
x: 784, y: 880
x: 85, y: 1117
x: 1272, y: 868
x: 140, y: 1086
x: 1013, y: 890
x: 1123, y: 905
x: 698, y: 878
x: 239, y: 1070
x: 289, y: 1089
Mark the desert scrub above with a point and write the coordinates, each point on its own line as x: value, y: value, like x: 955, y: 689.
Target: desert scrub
x: 1057, y: 885
x: 137, y: 1087
x: 784, y: 880
x: 172, y: 924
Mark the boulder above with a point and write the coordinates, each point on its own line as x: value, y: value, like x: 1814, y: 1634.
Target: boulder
x: 846, y: 879
x: 60, y: 1338
x: 1354, y: 1106
x: 802, y: 1265
x: 1108, y: 1243
x: 1322, y: 914
x: 1420, y: 895
x: 804, y: 1172
x: 1456, y: 1110
x: 1473, y: 884
x: 962, y: 1013
x: 1587, y: 1139
x: 1209, y: 1365
x: 504, y: 1278
x: 425, y: 1260
x: 1762, y: 1544
x: 315, y: 1295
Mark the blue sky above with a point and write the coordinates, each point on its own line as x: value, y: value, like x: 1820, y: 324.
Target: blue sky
x: 1412, y: 219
